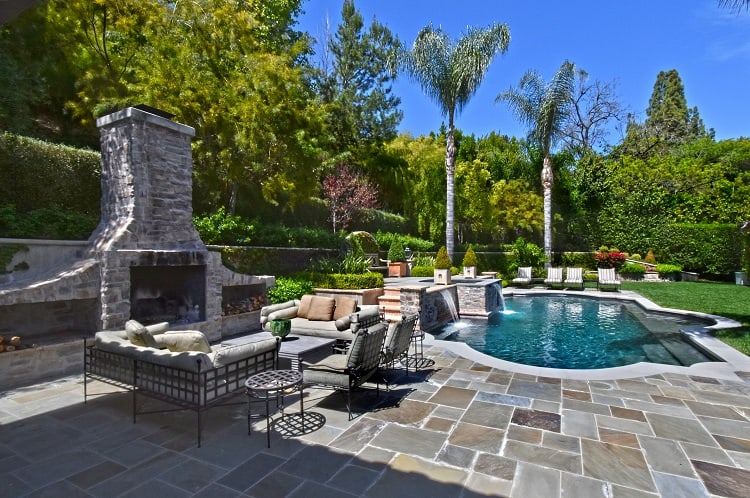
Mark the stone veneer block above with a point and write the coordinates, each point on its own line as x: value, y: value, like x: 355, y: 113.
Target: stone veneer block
x: 618, y: 464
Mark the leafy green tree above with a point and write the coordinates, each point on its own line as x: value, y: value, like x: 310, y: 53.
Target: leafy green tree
x: 450, y: 73
x: 669, y: 121
x: 363, y: 111
x: 544, y: 106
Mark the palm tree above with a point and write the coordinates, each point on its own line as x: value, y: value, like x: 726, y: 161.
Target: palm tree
x: 735, y: 5
x: 544, y: 107
x: 450, y: 73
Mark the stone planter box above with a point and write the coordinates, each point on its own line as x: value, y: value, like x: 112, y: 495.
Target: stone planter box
x: 442, y: 277
x: 470, y: 272
x: 688, y: 276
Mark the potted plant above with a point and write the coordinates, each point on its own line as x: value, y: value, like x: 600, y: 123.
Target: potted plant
x: 470, y: 263
x: 397, y: 266
x: 442, y: 272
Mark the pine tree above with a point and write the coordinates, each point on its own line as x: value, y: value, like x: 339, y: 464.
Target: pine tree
x: 668, y: 115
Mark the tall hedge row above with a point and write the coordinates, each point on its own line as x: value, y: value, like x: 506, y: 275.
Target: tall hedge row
x: 710, y: 249
x: 36, y: 174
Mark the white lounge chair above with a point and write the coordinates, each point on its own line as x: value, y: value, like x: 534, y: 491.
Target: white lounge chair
x: 574, y: 278
x: 607, y: 279
x: 554, y: 278
x: 524, y: 276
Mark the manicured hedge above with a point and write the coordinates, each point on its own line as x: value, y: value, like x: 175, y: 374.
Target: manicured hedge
x: 36, y: 174
x: 708, y: 249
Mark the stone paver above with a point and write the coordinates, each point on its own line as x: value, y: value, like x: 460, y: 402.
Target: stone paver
x: 455, y: 429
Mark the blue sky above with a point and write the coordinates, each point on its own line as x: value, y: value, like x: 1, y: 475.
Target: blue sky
x: 629, y: 42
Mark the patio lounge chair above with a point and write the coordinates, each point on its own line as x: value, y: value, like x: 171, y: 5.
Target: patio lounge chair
x: 345, y: 372
x: 607, y: 279
x: 574, y: 278
x: 398, y: 340
x: 554, y: 278
x: 524, y: 276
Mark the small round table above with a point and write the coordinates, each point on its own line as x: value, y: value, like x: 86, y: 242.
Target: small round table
x: 273, y: 383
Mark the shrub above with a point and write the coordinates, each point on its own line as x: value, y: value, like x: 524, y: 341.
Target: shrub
x: 665, y: 269
x: 636, y: 256
x: 526, y: 254
x: 221, y: 228
x: 414, y: 243
x: 634, y: 269
x: 396, y: 251
x: 578, y: 259
x: 365, y: 240
x: 422, y: 271
x: 442, y: 260
x: 609, y: 259
x: 46, y: 223
x: 35, y: 174
x: 367, y: 280
x: 708, y: 248
x: 650, y: 259
x: 470, y: 258
x: 290, y: 288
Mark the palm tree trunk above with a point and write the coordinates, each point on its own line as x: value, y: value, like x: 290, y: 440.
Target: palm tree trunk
x: 450, y: 171
x: 547, y: 190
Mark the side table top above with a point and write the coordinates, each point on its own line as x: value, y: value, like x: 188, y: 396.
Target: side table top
x: 273, y: 380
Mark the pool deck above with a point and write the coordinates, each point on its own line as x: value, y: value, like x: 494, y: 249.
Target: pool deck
x: 455, y: 428
x: 462, y: 425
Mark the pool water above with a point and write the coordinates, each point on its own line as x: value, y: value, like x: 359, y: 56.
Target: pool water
x: 578, y: 333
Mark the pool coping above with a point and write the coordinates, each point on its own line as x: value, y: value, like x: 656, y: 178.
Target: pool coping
x: 733, y: 360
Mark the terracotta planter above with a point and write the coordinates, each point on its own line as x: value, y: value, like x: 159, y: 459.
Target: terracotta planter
x: 442, y: 277
x: 397, y: 269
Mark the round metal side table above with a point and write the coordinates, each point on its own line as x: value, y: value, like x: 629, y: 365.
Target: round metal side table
x: 273, y: 384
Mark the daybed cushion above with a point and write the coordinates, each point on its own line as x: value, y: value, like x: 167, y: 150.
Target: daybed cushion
x: 345, y: 306
x: 229, y: 354
x: 321, y: 309
x: 139, y: 335
x: 183, y: 340
x: 282, y: 314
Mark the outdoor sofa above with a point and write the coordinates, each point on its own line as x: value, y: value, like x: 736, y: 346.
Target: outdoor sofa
x: 320, y: 316
x: 177, y: 367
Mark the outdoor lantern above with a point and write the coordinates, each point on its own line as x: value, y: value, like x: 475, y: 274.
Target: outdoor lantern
x: 408, y: 253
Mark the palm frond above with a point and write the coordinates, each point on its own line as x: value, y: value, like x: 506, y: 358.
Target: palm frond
x: 472, y: 57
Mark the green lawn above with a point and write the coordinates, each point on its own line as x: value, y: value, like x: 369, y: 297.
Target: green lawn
x: 727, y: 300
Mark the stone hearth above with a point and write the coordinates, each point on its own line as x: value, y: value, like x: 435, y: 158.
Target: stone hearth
x: 144, y: 261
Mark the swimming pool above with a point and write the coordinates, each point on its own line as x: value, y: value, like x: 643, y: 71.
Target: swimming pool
x: 572, y: 332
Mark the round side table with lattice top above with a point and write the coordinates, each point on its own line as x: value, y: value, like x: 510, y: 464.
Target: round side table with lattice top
x: 273, y: 384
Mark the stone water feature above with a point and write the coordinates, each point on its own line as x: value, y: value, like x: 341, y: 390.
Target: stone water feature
x: 145, y: 260
x: 439, y: 304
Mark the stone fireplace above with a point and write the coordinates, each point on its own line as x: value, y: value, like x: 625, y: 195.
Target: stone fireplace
x: 144, y: 261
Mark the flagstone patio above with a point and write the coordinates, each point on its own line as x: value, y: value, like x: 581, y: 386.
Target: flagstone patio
x: 456, y: 428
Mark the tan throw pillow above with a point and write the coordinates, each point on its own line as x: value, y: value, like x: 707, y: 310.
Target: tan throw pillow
x: 321, y: 309
x: 345, y: 306
x: 304, y: 305
x: 139, y: 335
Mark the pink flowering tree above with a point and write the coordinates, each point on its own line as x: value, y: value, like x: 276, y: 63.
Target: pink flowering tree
x: 346, y: 192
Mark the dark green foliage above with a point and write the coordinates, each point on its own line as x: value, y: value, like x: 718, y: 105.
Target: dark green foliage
x: 470, y: 258
x: 46, y: 223
x: 221, y: 228
x: 422, y: 271
x: 633, y: 269
x: 709, y: 249
x: 367, y: 280
x: 363, y: 241
x: 665, y: 269
x: 396, y: 251
x: 372, y: 220
x: 288, y: 288
x: 282, y: 236
x: 578, y: 259
x: 35, y: 174
x: 414, y: 243
x: 442, y: 260
x: 526, y: 254
x: 7, y: 251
